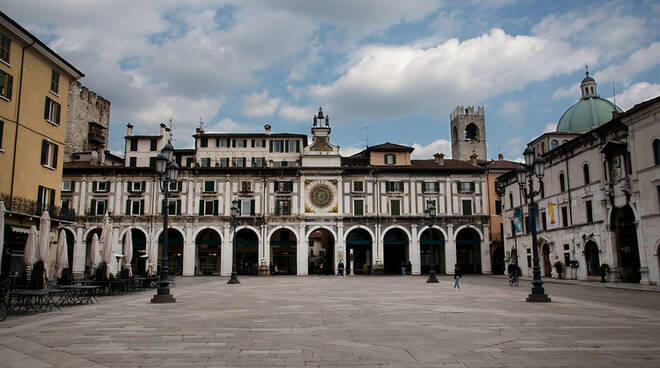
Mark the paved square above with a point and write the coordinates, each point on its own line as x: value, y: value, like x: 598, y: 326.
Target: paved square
x: 344, y: 322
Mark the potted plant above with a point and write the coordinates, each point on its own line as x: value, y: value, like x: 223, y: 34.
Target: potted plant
x: 560, y: 269
x: 604, y: 270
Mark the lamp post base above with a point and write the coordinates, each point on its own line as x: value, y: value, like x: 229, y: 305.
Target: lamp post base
x: 233, y: 279
x: 432, y: 279
x: 161, y: 299
x: 538, y: 298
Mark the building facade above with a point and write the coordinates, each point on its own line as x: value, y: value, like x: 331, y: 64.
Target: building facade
x: 303, y: 207
x: 34, y: 85
x: 599, y: 200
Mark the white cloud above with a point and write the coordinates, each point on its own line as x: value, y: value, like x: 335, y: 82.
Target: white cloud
x: 512, y: 111
x: 550, y: 127
x: 350, y: 151
x: 638, y: 62
x: 571, y: 91
x: 229, y: 126
x: 297, y: 113
x: 259, y: 105
x: 638, y: 92
x: 514, y: 148
x: 387, y: 81
x: 427, y: 152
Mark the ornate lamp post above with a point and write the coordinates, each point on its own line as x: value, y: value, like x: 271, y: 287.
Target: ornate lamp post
x: 430, y: 220
x: 534, y: 165
x: 168, y: 172
x: 235, y: 212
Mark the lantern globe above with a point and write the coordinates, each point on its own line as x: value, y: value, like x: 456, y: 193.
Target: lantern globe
x: 529, y: 156
x: 168, y: 150
x: 172, y: 171
x: 161, y: 163
x: 521, y: 172
x: 539, y: 167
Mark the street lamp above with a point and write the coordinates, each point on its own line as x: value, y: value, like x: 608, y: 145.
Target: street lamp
x: 534, y: 165
x: 235, y: 212
x: 168, y: 172
x: 430, y: 220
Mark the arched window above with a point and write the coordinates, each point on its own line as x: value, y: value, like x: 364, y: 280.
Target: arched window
x: 564, y: 141
x: 585, y: 171
x: 554, y: 143
x: 656, y: 151
x: 511, y: 199
x: 562, y: 184
x: 542, y: 189
x: 472, y: 132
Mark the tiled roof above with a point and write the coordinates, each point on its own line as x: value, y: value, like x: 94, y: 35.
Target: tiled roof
x: 500, y: 165
x: 390, y: 147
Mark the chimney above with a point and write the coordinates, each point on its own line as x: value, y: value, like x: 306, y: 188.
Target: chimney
x: 267, y: 129
x: 439, y: 158
x: 129, y: 129
x: 473, y: 159
x: 614, y: 114
x: 163, y: 128
x: 500, y: 157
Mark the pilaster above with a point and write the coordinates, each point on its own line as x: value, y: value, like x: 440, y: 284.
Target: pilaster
x: 189, y: 260
x: 450, y: 250
x: 414, y: 252
x: 226, y: 251
x: 486, y: 267
x: 302, y: 252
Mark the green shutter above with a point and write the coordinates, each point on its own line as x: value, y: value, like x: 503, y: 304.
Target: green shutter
x: 40, y: 195
x: 141, y: 207
x: 286, y: 145
x: 437, y: 187
x: 10, y: 83
x: 277, y: 207
x: 55, y: 149
x: 297, y: 146
x: 252, y: 143
x: 252, y: 207
x: 128, y: 207
x: 275, y: 186
x: 94, y: 186
x: 44, y: 152
x: 92, y: 207
x: 57, y: 113
x: 215, y: 207
x: 179, y: 184
x: 388, y: 187
x: 271, y: 145
x: 129, y: 186
x: 423, y: 187
x: 52, y: 197
x: 46, y: 105
x: 233, y: 143
x: 178, y: 207
x: 144, y: 186
x: 201, y: 207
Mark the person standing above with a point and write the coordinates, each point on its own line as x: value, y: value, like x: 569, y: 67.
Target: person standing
x: 403, y: 268
x: 457, y: 276
x: 409, y: 268
x: 340, y: 268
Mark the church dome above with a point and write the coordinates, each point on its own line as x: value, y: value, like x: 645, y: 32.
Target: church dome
x: 591, y: 111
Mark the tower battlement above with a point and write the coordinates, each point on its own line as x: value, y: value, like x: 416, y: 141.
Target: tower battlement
x: 466, y: 110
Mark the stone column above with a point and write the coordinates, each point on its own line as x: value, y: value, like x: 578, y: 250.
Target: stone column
x: 189, y: 259
x: 302, y: 252
x: 377, y: 251
x: 486, y: 267
x: 450, y: 250
x: 414, y: 252
x: 340, y: 246
x: 83, y: 197
x: 190, y: 193
x: 79, y: 253
x: 643, y: 264
x: 226, y: 251
x: 119, y: 188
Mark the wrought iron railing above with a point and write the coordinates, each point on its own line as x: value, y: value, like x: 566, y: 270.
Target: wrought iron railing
x: 30, y: 207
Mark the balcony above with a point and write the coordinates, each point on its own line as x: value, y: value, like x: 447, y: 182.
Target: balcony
x: 34, y: 208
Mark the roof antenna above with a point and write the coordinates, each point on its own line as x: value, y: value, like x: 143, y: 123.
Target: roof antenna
x: 171, y: 130
x: 614, y: 93
x: 366, y: 134
x: 587, y: 68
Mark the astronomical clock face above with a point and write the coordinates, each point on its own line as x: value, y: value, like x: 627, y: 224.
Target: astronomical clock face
x: 321, y: 196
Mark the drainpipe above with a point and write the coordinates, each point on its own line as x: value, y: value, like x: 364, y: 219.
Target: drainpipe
x: 18, y: 115
x: 568, y: 187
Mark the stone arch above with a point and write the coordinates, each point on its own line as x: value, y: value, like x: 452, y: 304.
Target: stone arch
x: 472, y: 132
x: 363, y: 249
x: 246, y: 249
x: 283, y: 251
x: 279, y: 227
x: 177, y: 228
x: 592, y: 258
x: 396, y: 250
x: 318, y: 227
x: 145, y: 232
x: 469, y: 245
x: 432, y: 253
x: 382, y: 234
x: 436, y: 227
x: 208, y: 249
x: 322, y: 241
x: 72, y: 230
x: 218, y: 229
x: 366, y: 228
x: 481, y: 235
x: 175, y: 251
x: 89, y: 230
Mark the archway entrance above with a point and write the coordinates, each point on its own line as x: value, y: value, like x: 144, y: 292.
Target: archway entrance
x: 283, y: 252
x: 174, y: 251
x: 88, y: 248
x: 247, y: 252
x: 623, y: 225
x: 139, y: 257
x: 547, y: 267
x: 14, y: 249
x: 207, y: 252
x: 592, y: 259
x: 395, y: 251
x: 359, y: 242
x: 428, y: 249
x: 70, y: 245
x: 498, y: 261
x: 321, y: 252
x: 468, y: 256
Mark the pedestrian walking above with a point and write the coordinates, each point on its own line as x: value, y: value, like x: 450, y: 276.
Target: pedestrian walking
x: 409, y: 268
x: 457, y: 276
x: 340, y: 268
x: 365, y: 269
x: 403, y: 268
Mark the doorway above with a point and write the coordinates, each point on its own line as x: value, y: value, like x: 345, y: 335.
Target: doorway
x: 247, y: 252
x: 430, y: 252
x: 623, y: 225
x: 283, y: 252
x: 468, y: 257
x: 395, y: 251
x: 547, y: 267
x: 359, y: 243
x: 207, y: 252
x: 321, y: 252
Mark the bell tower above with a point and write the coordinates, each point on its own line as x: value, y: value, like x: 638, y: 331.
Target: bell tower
x: 468, y: 132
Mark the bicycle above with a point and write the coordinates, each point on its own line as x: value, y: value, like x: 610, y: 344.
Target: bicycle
x: 514, y: 280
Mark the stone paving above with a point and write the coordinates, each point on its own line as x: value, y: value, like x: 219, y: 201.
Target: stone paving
x: 344, y: 322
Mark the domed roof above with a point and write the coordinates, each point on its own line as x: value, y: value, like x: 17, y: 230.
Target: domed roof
x: 587, y: 114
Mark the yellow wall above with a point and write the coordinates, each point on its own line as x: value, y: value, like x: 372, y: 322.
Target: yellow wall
x: 494, y: 220
x: 378, y: 158
x: 33, y: 128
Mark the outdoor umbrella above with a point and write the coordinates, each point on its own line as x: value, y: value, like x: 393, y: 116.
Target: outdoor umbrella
x: 128, y: 252
x: 62, y: 258
x: 94, y: 253
x: 152, y: 259
x: 30, y: 252
x: 106, y: 238
x: 3, y: 209
x: 43, y: 241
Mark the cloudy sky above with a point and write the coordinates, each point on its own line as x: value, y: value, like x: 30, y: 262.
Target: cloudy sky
x: 384, y: 70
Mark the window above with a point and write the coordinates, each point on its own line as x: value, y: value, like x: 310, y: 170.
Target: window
x: 542, y: 147
x: 429, y: 187
x: 498, y: 207
x: 222, y: 142
x: 466, y: 187
x: 529, y: 258
x: 135, y: 207
x: 208, y: 207
x: 657, y: 189
x: 358, y: 186
x: 585, y: 172
x: 54, y: 81
x: 394, y: 186
x: 67, y: 186
x: 152, y: 162
x: 390, y: 159
x: 174, y: 207
x: 209, y: 186
x: 467, y: 207
x: 358, y: 207
x: 136, y: 186
x: 100, y: 186
x: 204, y: 142
x: 283, y: 186
x: 513, y: 228
x: 238, y: 161
x: 45, y: 197
x: 246, y: 186
x: 544, y: 226
x: 175, y: 186
x: 5, y: 46
x: 240, y: 143
x: 6, y: 85
x: 52, y: 111
x: 189, y: 161
x: 132, y: 162
x: 65, y: 204
x: 261, y: 143
x: 511, y: 200
x: 656, y: 151
x: 246, y: 206
x: 258, y: 162
x: 205, y: 162
x: 562, y: 184
x: 283, y: 207
x: 527, y: 228
x: 542, y: 189
x: 153, y: 145
x: 49, y: 154
x: 98, y: 207
x: 223, y: 162
x: 590, y: 211
x: 564, y: 216
x: 134, y: 144
x: 2, y: 128
x: 554, y: 143
x: 395, y: 207
x: 294, y: 146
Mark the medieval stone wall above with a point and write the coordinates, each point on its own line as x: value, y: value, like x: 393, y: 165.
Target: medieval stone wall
x: 83, y: 107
